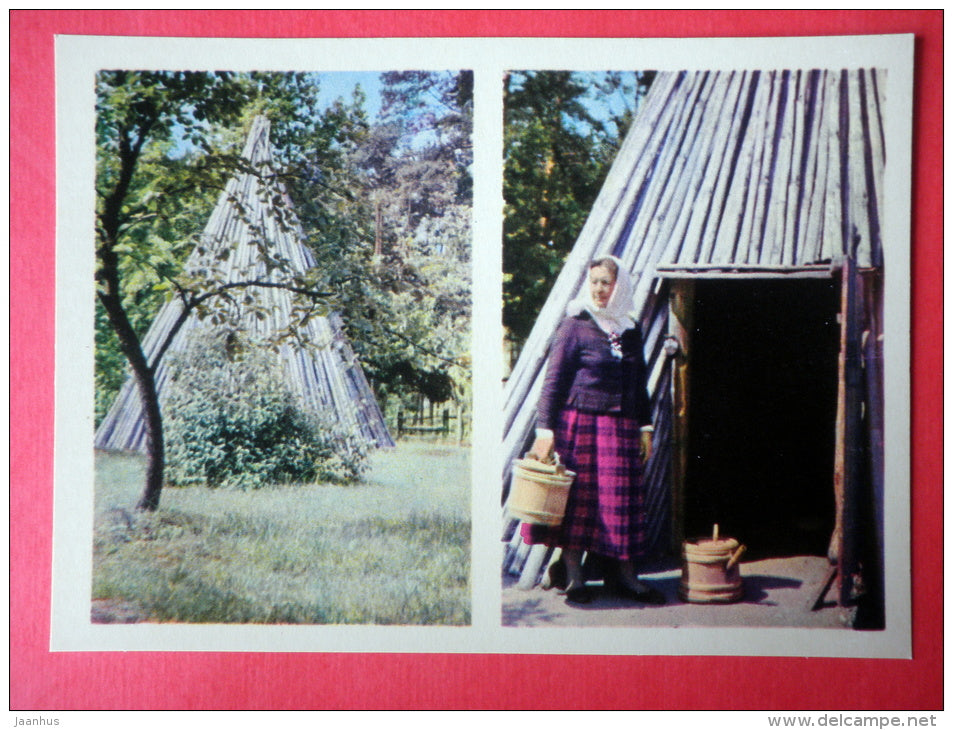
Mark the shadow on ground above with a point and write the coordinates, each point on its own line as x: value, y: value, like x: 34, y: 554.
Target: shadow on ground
x: 777, y: 592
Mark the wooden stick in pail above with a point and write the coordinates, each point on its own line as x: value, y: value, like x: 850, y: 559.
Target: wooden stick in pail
x: 735, y: 558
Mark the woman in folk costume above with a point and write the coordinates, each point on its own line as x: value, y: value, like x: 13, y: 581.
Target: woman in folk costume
x: 594, y: 411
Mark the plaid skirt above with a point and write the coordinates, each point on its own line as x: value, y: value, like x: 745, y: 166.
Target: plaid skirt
x: 605, y: 513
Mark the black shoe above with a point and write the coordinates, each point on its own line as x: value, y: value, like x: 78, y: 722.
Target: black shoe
x: 580, y: 594
x: 557, y: 575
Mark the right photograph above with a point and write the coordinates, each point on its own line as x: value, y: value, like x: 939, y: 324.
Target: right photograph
x: 693, y: 293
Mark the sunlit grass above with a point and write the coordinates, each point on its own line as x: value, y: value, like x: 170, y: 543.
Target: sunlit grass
x: 393, y: 550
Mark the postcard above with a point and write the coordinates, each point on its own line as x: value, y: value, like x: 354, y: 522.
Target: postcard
x: 326, y: 308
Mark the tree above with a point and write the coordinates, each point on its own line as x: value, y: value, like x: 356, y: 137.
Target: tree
x: 415, y: 163
x: 144, y: 192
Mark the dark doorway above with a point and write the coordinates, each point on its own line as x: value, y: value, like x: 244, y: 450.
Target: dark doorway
x: 763, y: 402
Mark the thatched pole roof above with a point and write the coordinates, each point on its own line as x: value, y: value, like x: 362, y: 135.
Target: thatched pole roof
x: 253, y: 221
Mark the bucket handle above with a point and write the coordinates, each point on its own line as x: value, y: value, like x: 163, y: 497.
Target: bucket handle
x: 735, y: 558
x: 552, y: 460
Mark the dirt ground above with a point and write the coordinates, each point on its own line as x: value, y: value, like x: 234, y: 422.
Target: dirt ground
x: 778, y: 592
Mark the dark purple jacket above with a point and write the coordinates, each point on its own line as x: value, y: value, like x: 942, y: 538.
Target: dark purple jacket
x: 582, y: 374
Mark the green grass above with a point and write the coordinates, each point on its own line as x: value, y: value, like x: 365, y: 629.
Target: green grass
x: 394, y: 549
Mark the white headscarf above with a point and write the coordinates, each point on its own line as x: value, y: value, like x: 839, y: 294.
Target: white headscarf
x: 617, y: 316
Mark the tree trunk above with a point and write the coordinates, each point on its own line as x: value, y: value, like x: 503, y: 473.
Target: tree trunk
x: 149, y: 397
x: 131, y: 140
x: 378, y: 232
x: 155, y: 454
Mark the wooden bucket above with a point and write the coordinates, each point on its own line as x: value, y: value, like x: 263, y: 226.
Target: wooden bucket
x: 539, y: 491
x: 710, y: 572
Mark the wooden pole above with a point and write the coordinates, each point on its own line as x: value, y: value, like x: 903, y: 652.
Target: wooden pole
x: 873, y: 367
x: 680, y: 323
x: 844, y: 544
x: 834, y: 549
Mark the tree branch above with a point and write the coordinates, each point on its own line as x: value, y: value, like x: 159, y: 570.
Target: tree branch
x: 222, y: 288
x: 167, y: 342
x: 191, y: 301
x: 417, y: 346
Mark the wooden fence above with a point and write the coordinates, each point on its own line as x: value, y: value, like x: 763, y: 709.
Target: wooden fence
x: 450, y: 422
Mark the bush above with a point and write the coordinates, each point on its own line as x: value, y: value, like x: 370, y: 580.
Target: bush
x: 232, y: 421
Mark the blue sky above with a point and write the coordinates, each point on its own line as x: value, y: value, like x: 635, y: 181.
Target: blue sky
x: 335, y: 85
x: 340, y: 85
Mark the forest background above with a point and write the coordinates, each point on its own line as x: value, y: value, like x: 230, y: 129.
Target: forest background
x: 562, y: 131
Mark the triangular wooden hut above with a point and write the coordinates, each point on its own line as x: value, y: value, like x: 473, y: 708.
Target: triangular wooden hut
x: 253, y: 221
x: 747, y: 205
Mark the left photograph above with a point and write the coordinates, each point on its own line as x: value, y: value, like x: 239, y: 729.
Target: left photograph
x: 282, y: 348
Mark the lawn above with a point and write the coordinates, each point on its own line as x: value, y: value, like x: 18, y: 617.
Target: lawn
x: 394, y: 549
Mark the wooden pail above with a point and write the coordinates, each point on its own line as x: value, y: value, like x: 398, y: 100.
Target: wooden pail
x: 710, y: 572
x: 539, y: 491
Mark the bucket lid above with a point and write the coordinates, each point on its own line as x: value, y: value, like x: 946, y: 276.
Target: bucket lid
x: 709, y: 545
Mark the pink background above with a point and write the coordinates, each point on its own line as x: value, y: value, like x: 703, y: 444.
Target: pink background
x: 41, y: 680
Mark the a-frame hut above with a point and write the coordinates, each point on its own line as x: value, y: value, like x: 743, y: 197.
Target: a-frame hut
x: 747, y: 206
x: 253, y: 226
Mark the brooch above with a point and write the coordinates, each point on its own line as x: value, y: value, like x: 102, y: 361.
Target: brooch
x: 615, y: 345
